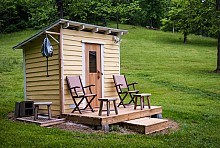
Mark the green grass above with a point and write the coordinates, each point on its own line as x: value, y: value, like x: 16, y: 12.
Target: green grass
x: 179, y: 76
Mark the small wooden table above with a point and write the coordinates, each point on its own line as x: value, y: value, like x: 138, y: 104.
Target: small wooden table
x: 36, y: 108
x: 141, y: 100
x: 108, y: 105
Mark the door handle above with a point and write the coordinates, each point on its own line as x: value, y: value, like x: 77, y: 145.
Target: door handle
x: 99, y: 74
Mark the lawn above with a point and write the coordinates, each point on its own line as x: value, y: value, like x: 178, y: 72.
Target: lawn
x: 179, y: 76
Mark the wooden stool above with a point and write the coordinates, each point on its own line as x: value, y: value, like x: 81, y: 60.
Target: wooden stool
x: 36, y: 108
x: 142, y: 100
x: 108, y: 105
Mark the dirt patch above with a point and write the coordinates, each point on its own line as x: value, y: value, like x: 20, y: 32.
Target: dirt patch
x: 71, y: 126
x: 11, y: 116
x: 172, y: 126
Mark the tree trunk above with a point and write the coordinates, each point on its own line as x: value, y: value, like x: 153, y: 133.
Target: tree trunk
x: 59, y: 4
x: 218, y: 46
x: 218, y: 54
x: 117, y: 19
x: 184, y: 37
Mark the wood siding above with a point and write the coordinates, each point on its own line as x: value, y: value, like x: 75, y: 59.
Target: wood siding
x: 39, y: 87
x: 73, y: 62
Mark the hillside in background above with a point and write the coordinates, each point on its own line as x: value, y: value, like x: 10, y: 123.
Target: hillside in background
x: 179, y: 76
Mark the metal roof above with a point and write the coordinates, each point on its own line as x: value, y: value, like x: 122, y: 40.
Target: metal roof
x: 76, y: 26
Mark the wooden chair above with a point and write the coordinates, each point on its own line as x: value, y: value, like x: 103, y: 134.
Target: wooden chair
x: 122, y: 87
x: 77, y: 90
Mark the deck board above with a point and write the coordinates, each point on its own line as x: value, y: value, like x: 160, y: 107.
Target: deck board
x: 124, y: 114
x: 42, y: 121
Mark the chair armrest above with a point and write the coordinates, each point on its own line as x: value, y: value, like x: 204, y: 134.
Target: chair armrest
x: 118, y: 88
x: 89, y: 85
x: 133, y: 83
x: 118, y: 84
x: 74, y: 87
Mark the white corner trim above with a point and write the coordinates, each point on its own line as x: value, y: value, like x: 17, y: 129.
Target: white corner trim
x: 102, y: 70
x: 119, y: 60
x: 62, y: 71
x: 83, y: 69
x: 24, y: 71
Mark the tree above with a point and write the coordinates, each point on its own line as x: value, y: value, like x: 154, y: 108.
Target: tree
x: 59, y: 5
x: 42, y: 13
x: 124, y: 10
x: 181, y: 16
x: 218, y: 46
x: 13, y: 15
x: 152, y: 11
x: 192, y: 17
x: 21, y: 14
x: 96, y: 11
x: 201, y: 17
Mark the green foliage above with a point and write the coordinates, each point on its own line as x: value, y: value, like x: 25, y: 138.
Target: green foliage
x: 21, y: 14
x: 42, y: 13
x: 126, y: 11
x: 13, y: 15
x: 195, y: 17
x: 152, y: 11
x: 97, y: 11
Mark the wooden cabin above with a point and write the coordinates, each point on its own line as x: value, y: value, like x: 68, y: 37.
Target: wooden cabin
x: 91, y: 51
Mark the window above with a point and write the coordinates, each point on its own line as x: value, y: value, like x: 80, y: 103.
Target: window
x: 92, y: 62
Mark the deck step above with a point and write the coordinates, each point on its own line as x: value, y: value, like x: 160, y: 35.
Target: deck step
x: 146, y: 125
x: 42, y: 121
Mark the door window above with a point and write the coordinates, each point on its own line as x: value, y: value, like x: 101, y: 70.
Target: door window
x: 92, y: 62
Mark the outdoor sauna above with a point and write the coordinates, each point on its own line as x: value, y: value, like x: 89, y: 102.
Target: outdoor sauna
x: 90, y: 51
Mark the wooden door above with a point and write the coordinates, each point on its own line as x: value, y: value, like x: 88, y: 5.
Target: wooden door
x: 93, y: 70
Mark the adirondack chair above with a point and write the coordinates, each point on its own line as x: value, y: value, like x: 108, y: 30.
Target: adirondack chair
x: 124, y: 89
x: 77, y: 90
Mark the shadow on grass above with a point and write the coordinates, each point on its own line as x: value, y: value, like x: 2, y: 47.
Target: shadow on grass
x: 189, y: 90
x: 192, y: 117
x: 185, y: 89
x: 193, y: 42
x: 176, y: 38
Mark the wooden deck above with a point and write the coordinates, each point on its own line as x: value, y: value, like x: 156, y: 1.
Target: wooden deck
x: 124, y: 114
x: 42, y: 121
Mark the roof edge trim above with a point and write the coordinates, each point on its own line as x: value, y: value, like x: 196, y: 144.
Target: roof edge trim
x: 64, y: 21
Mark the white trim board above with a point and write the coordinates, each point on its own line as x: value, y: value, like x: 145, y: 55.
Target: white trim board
x: 102, y: 69
x: 92, y: 42
x: 24, y: 71
x: 83, y: 68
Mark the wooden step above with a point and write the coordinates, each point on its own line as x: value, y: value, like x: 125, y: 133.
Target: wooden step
x: 146, y: 125
x: 42, y: 121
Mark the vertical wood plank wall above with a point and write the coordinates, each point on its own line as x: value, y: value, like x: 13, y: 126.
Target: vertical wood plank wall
x: 40, y: 88
x: 72, y: 54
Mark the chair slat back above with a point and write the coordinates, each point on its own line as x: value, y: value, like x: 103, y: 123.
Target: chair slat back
x: 120, y: 79
x: 75, y: 81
